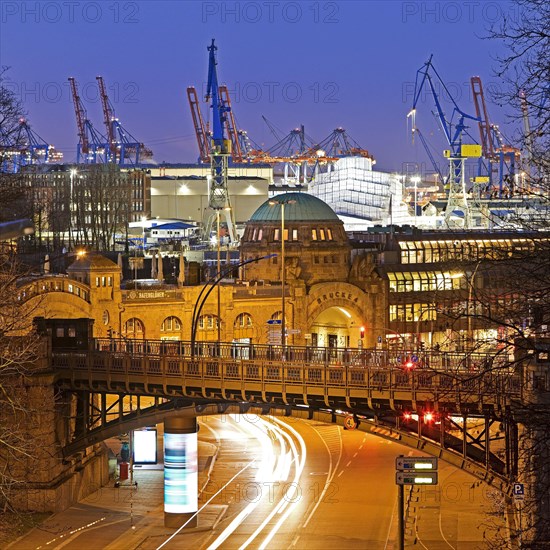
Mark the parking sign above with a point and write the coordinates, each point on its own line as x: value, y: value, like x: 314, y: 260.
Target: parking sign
x: 519, y: 491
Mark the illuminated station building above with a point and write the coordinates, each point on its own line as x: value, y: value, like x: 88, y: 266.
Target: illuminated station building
x: 388, y: 287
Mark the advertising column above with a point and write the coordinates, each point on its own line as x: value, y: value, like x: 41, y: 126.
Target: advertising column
x: 180, y: 472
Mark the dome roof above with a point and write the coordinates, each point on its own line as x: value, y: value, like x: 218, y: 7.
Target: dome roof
x: 299, y: 207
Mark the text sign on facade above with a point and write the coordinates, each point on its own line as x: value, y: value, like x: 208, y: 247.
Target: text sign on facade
x: 274, y: 322
x: 416, y: 478
x: 418, y: 463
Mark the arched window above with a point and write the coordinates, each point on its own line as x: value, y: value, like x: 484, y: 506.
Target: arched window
x: 277, y: 316
x: 170, y: 324
x: 134, y: 328
x: 243, y: 327
x: 243, y: 320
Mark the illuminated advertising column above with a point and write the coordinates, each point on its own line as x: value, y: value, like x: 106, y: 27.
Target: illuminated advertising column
x: 180, y: 472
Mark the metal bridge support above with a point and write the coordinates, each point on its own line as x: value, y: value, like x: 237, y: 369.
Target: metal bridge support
x: 180, y: 472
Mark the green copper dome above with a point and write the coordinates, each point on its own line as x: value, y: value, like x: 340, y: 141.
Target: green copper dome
x: 299, y: 207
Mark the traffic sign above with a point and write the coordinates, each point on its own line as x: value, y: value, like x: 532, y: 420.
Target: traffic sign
x: 413, y: 463
x: 350, y: 423
x: 416, y: 478
x: 293, y: 331
x: 274, y: 322
x: 519, y: 491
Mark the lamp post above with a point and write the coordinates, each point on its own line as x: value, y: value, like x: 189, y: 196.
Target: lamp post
x: 218, y: 271
x: 282, y: 204
x: 471, y: 286
x: 416, y: 180
x: 207, y: 289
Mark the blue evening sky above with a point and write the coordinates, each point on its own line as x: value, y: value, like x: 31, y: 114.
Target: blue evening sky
x: 323, y: 64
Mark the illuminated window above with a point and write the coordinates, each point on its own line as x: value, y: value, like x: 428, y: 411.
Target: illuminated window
x: 329, y: 234
x: 294, y: 234
x: 170, y: 324
x: 314, y: 234
x: 134, y: 328
x: 260, y: 234
x: 243, y: 320
x: 277, y: 236
x: 208, y: 322
x: 322, y: 234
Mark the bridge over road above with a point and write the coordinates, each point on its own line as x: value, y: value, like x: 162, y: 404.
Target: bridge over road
x: 429, y: 401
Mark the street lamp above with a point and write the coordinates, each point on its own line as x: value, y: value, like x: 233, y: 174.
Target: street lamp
x: 143, y: 220
x: 282, y: 203
x: 471, y: 286
x: 218, y: 270
x: 204, y: 293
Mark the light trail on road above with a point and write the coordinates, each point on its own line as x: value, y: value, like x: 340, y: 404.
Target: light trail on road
x: 274, y: 468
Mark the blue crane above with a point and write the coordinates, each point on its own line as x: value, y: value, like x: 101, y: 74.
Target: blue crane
x: 220, y: 151
x: 27, y: 147
x: 457, y: 200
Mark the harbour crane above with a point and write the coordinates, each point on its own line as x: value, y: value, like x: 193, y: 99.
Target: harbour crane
x: 220, y: 151
x: 92, y: 146
x: 27, y: 147
x: 201, y: 132
x: 240, y: 142
x: 499, y: 156
x: 458, y: 152
x: 123, y: 148
x: 231, y: 126
x: 340, y: 144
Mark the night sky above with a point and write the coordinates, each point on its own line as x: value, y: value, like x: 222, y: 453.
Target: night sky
x: 321, y: 64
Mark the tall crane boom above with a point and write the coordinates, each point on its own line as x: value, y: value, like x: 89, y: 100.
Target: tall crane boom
x: 122, y: 148
x: 481, y: 113
x: 218, y: 197
x: 198, y: 123
x: 108, y: 115
x: 231, y: 127
x: 81, y: 117
x: 494, y: 150
x: 92, y: 146
x: 457, y: 199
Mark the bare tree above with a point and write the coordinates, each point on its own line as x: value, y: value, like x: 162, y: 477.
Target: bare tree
x: 525, y: 70
x: 19, y: 354
x: 101, y: 205
x: 11, y: 111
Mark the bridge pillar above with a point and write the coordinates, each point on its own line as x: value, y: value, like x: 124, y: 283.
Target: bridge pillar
x: 180, y: 472
x: 533, y: 415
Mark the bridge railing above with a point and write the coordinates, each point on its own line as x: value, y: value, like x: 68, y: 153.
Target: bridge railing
x: 339, y: 357
x: 238, y: 368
